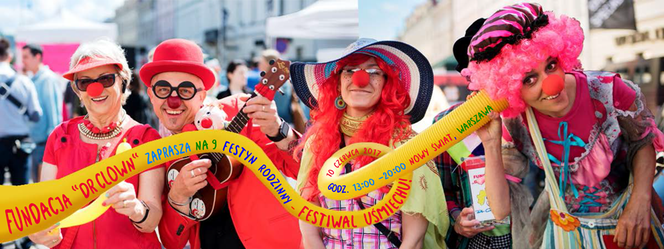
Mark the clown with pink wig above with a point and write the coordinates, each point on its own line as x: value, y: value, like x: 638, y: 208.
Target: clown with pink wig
x: 590, y: 131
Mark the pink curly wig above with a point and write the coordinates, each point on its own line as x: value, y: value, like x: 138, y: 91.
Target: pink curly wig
x: 501, y: 76
x: 388, y: 123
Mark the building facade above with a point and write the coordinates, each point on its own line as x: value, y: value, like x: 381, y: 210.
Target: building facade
x: 638, y: 55
x: 126, y: 17
x: 225, y: 29
x: 434, y: 26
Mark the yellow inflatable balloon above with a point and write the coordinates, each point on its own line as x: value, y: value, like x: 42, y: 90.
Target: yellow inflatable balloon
x: 122, y: 147
x: 433, y: 141
x: 34, y: 207
x: 87, y: 214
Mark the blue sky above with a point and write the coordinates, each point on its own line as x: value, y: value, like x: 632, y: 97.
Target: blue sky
x: 383, y: 19
x: 22, y: 12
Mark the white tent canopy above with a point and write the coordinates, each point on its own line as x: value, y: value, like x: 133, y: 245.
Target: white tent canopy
x: 324, y: 19
x: 66, y: 28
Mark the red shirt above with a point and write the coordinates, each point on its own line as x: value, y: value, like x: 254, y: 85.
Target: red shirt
x: 69, y: 153
x: 259, y: 219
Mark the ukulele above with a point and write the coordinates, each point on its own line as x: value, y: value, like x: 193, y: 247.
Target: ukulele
x: 209, y: 200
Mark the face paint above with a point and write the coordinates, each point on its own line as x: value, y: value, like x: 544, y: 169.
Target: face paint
x: 360, y: 78
x: 552, y: 85
x: 174, y: 102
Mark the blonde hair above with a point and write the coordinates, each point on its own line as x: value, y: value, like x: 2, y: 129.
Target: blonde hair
x: 108, y: 49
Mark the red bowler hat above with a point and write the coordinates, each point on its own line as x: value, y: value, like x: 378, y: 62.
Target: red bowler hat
x: 89, y: 63
x: 177, y: 55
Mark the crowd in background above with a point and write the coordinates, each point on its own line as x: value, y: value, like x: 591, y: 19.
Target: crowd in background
x: 51, y: 100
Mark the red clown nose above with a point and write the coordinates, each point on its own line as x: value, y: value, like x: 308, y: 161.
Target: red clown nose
x: 553, y: 85
x: 360, y: 78
x: 173, y: 102
x: 95, y: 89
x: 206, y: 123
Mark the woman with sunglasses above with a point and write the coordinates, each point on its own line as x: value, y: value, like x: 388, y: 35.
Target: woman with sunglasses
x: 99, y: 75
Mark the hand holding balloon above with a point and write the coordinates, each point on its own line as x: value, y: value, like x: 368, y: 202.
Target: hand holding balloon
x: 122, y: 198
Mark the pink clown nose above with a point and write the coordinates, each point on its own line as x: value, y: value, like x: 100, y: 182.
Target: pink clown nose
x: 95, y: 89
x: 361, y: 78
x: 552, y: 85
x: 173, y: 102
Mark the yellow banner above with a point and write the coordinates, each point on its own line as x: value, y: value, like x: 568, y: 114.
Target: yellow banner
x: 34, y: 207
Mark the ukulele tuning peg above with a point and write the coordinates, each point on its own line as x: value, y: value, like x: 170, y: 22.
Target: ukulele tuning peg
x: 262, y: 73
x: 271, y: 62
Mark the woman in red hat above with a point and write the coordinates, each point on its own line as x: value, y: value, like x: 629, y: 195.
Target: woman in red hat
x: 99, y: 75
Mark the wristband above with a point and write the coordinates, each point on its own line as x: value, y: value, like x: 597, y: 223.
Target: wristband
x: 191, y: 217
x: 145, y: 217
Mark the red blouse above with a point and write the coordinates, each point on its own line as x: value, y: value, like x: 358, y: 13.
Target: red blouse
x: 69, y: 153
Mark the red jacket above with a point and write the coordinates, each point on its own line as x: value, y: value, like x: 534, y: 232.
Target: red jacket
x: 259, y: 219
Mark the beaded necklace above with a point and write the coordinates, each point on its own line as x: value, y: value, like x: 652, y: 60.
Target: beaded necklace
x: 110, y: 131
